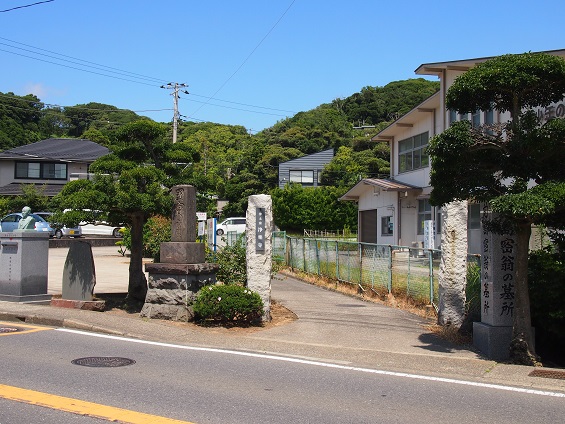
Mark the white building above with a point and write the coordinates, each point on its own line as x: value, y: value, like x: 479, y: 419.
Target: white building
x: 394, y: 211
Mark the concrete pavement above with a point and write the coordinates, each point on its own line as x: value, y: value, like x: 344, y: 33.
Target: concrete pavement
x: 331, y: 327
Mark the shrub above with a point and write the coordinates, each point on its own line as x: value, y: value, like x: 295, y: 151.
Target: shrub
x: 231, y: 304
x: 546, y: 276
x: 232, y: 263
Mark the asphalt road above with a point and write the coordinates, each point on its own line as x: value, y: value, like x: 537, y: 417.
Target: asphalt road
x: 205, y: 385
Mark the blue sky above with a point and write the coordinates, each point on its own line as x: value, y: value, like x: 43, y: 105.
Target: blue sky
x: 261, y: 61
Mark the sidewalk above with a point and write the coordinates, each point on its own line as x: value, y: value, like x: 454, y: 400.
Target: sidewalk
x: 331, y: 327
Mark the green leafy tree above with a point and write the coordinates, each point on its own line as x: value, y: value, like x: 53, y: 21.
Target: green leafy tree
x: 348, y: 167
x: 496, y: 164
x: 130, y: 186
x: 296, y: 208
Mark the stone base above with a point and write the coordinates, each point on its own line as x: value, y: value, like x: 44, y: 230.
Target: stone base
x: 493, y: 342
x: 85, y: 305
x: 42, y: 299
x: 182, y: 253
x: 172, y: 289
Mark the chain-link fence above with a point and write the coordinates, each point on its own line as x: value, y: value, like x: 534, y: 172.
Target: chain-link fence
x: 406, y: 271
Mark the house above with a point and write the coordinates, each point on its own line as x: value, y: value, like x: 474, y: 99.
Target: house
x: 48, y: 163
x: 396, y: 210
x: 305, y: 170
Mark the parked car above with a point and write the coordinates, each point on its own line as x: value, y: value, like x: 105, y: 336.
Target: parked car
x: 61, y: 231
x: 10, y: 223
x: 236, y: 224
x: 100, y: 229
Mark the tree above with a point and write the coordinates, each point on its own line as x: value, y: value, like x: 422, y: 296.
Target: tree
x: 130, y: 186
x: 497, y: 164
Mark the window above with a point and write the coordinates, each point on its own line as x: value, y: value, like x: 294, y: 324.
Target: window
x: 424, y: 214
x: 306, y: 178
x: 412, y: 153
x: 41, y: 170
x: 474, y: 218
x: 452, y: 116
x: 476, y: 118
x: 387, y: 226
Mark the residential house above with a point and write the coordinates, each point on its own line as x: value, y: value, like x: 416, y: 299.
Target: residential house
x: 49, y: 164
x: 396, y: 211
x: 305, y: 170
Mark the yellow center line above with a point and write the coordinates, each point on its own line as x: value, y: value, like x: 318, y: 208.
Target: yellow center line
x: 30, y: 328
x: 77, y: 406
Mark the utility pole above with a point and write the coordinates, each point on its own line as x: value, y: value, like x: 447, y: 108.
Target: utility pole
x: 176, y: 87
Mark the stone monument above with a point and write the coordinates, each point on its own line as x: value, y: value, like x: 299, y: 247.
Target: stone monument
x: 259, y: 248
x: 453, y: 266
x: 493, y: 334
x: 182, y: 270
x: 24, y: 258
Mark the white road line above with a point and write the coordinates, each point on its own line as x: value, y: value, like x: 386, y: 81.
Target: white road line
x: 324, y: 364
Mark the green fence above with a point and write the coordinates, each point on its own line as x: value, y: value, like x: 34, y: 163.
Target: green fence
x: 406, y: 271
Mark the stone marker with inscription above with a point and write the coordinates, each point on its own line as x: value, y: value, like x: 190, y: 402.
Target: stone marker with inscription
x: 24, y: 258
x: 259, y: 248
x: 493, y: 334
x: 174, y: 282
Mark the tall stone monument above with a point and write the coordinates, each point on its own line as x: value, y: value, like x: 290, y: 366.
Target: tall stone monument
x: 182, y: 271
x: 259, y: 248
x: 493, y: 334
x: 453, y: 266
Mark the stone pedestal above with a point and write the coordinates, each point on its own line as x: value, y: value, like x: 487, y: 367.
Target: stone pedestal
x: 174, y: 282
x: 24, y: 257
x: 492, y: 341
x: 173, y: 287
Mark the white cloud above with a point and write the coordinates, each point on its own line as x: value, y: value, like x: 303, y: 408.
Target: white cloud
x: 42, y: 91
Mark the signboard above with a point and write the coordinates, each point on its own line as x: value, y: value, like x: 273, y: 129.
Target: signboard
x: 429, y: 242
x: 211, y: 233
x: 260, y: 230
x: 201, y: 216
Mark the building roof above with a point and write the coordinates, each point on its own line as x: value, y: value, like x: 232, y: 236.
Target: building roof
x: 58, y: 149
x: 437, y: 68
x: 382, y: 184
x: 324, y: 154
x: 15, y: 189
x: 428, y: 107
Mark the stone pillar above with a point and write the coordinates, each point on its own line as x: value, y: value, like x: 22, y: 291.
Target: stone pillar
x: 174, y: 282
x: 24, y: 258
x: 259, y: 248
x: 453, y: 266
x: 183, y: 248
x: 493, y: 334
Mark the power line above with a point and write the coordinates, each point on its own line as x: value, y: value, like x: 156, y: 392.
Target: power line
x: 27, y: 5
x: 88, y: 63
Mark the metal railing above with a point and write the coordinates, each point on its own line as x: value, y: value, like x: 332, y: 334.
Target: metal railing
x: 411, y: 272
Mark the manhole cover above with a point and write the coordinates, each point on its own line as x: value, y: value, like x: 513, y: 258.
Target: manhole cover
x: 560, y: 375
x: 350, y: 305
x: 9, y: 329
x: 103, y: 361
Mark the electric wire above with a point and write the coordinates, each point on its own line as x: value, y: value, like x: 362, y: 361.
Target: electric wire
x: 27, y: 5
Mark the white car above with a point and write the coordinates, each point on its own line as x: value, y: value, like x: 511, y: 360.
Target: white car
x: 236, y: 224
x: 100, y: 229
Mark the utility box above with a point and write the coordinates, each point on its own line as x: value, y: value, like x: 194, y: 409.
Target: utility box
x: 24, y: 257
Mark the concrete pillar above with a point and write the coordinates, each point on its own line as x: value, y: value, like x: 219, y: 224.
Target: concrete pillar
x: 259, y: 248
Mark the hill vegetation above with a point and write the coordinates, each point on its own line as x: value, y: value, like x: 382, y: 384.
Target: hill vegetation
x: 229, y: 163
